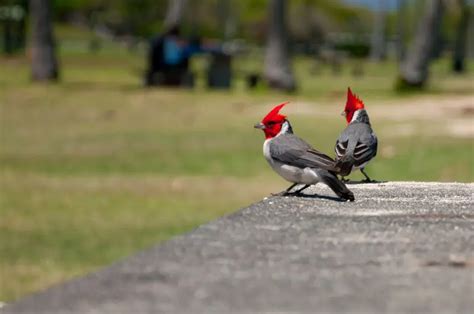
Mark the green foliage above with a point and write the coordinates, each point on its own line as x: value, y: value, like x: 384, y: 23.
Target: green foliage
x: 357, y: 48
x: 144, y: 18
x: 139, y: 17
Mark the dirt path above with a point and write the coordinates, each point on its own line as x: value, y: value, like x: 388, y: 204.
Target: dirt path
x: 453, y: 115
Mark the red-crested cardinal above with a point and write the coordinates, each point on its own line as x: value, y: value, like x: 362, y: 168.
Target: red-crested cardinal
x: 294, y: 159
x: 357, y: 144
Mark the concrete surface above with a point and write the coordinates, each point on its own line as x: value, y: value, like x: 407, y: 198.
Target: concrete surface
x: 400, y: 248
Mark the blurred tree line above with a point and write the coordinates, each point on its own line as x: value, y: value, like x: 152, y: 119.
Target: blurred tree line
x: 415, y: 32
x: 213, y: 18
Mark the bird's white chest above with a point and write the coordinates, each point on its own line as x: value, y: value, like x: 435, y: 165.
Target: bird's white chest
x: 288, y: 172
x: 266, y: 150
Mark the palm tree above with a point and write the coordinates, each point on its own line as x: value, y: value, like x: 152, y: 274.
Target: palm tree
x: 277, y: 68
x: 44, y: 64
x: 414, y: 68
x: 401, y: 19
x: 377, y: 43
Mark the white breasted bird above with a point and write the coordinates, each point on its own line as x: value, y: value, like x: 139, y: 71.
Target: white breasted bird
x: 295, y: 160
x: 357, y: 144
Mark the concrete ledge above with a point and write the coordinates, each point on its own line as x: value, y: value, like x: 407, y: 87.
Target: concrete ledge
x: 401, y: 247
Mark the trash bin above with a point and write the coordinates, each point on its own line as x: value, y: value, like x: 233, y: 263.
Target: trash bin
x: 219, y: 73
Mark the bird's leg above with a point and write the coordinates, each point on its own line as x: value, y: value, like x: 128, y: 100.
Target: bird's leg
x: 301, y: 190
x: 287, y: 191
x: 367, y: 179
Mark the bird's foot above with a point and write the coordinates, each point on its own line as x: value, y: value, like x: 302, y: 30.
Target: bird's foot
x: 282, y: 193
x: 286, y: 193
x: 368, y: 180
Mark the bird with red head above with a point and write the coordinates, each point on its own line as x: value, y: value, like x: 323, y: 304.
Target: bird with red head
x: 294, y: 159
x: 357, y: 144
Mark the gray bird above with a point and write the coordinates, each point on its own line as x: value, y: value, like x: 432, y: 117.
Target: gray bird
x: 295, y: 160
x: 357, y: 144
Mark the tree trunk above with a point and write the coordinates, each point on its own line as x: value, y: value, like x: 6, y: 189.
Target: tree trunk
x: 44, y: 64
x: 226, y: 19
x: 459, y: 52
x: 414, y: 69
x: 377, y: 43
x: 401, y: 20
x: 277, y: 70
x: 174, y: 13
x: 8, y: 44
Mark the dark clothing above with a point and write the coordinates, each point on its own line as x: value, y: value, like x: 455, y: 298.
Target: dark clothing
x: 168, y: 61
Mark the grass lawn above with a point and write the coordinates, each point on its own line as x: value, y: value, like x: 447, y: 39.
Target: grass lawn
x: 95, y: 168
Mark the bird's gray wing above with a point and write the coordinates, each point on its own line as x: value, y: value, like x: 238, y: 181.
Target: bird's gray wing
x: 357, y: 144
x: 291, y: 150
x: 366, y: 148
x: 341, y: 147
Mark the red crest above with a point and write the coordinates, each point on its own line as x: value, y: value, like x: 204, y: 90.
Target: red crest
x: 353, y: 104
x: 274, y: 114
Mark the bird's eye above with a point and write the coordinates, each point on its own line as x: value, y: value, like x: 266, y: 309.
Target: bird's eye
x: 270, y: 123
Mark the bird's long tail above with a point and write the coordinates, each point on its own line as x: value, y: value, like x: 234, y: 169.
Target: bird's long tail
x: 345, y: 165
x: 341, y: 190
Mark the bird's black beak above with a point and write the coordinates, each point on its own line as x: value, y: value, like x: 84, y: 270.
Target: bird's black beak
x: 259, y: 125
x: 343, y: 113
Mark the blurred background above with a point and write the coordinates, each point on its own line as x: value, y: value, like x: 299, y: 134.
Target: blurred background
x: 124, y: 123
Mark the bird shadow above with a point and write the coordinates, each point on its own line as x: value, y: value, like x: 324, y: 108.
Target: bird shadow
x: 351, y: 182
x: 316, y: 196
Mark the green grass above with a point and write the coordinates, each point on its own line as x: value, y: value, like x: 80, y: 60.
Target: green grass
x: 95, y: 168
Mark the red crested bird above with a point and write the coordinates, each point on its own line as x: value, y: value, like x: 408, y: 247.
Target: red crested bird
x: 357, y: 144
x: 294, y: 159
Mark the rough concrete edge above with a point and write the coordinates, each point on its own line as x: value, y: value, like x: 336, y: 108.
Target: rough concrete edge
x: 226, y: 216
